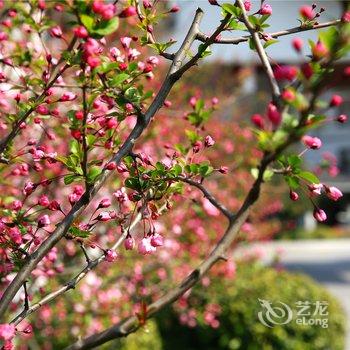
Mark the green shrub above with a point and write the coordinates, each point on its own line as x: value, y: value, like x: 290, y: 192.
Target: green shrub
x: 239, y: 324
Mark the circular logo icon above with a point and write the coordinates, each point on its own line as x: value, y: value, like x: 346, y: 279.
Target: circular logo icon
x: 274, y: 315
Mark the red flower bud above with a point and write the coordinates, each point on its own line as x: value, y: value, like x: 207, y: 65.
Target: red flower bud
x: 258, y: 120
x: 336, y: 101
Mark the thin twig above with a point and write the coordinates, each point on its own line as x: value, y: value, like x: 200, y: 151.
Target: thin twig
x: 209, y: 196
x: 262, y: 54
x: 235, y: 41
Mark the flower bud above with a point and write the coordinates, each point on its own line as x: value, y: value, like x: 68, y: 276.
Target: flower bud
x: 312, y: 142
x: 320, y: 215
x: 258, y: 120
x: 266, y: 9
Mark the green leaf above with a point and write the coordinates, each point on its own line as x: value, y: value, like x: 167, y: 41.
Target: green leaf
x: 160, y: 166
x: 268, y: 174
x: 235, y: 25
x: 308, y: 176
x: 177, y: 169
x: 204, y: 52
x: 270, y: 42
x: 106, y: 67
x: 292, y: 181
x: 93, y: 173
x: 133, y: 183
x: 90, y: 139
x: 74, y: 147
x: 255, y: 172
x: 132, y: 94
x: 192, y: 136
x: 87, y: 21
x: 118, y: 79
x: 205, y: 170
x: 77, y: 232
x: 231, y: 9
x: 294, y: 161
x: 106, y: 27
x: 68, y: 179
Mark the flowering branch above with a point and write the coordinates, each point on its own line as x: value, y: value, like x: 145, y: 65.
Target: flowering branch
x: 16, y: 128
x: 262, y: 54
x: 91, y: 264
x: 235, y: 41
x: 142, y: 122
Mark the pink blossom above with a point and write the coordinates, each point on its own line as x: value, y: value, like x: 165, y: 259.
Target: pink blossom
x: 43, y: 201
x: 208, y: 141
x: 157, y: 240
x: 44, y: 221
x: 81, y: 32
x: 68, y: 96
x: 15, y: 235
x: 247, y: 5
x: 16, y: 205
x: 153, y: 60
x: 121, y: 195
x: 285, y: 72
x: 297, y: 44
x: 114, y: 52
x: 103, y: 216
x: 312, y: 142
x: 133, y: 53
x: 7, y: 331
x: 129, y: 243
x: 111, y: 255
x: 288, y: 95
x: 315, y: 189
x: 43, y: 110
x: 145, y: 247
x: 336, y: 101
x: 73, y: 198
x: 293, y: 195
x: 29, y: 187
x: 125, y: 41
x: 319, y: 50
x: 210, y: 209
x: 333, y: 193
x: 258, y: 120
x: 175, y: 8
x: 128, y: 12
x: 266, y: 9
x: 307, y: 12
x: 320, y: 215
x: 346, y: 17
x: 274, y: 114
x: 56, y: 32
x: 223, y: 169
x: 342, y: 118
x: 105, y: 203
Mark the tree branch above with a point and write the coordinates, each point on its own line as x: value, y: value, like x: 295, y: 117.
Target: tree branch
x: 16, y: 128
x: 132, y: 323
x: 78, y: 208
x: 262, y: 54
x: 235, y: 41
x: 71, y: 284
x: 209, y: 196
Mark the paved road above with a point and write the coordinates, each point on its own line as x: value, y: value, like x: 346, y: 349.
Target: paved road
x: 327, y: 261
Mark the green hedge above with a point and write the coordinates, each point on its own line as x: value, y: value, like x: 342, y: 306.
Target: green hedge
x: 239, y: 324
